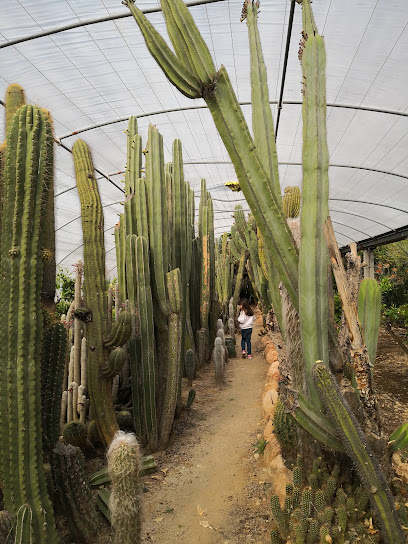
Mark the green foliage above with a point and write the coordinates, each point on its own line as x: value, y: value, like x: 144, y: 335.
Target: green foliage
x: 65, y: 285
x: 260, y: 446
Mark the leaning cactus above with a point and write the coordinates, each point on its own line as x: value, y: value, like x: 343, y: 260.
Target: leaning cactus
x: 358, y: 449
x: 21, y: 267
x: 124, y: 462
x: 174, y: 370
x: 101, y: 342
x: 369, y: 314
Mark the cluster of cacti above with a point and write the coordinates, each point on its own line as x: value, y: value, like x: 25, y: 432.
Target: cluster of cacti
x: 318, y: 509
x: 74, y: 402
x: 156, y: 234
x: 219, y: 355
x: 305, y: 277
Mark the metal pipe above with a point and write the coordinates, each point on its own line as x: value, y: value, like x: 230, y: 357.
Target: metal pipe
x: 285, y: 64
x: 94, y: 21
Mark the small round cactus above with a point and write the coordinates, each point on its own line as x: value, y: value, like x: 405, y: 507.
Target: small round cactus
x: 75, y: 433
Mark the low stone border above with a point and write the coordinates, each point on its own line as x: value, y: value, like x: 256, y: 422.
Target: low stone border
x: 272, y: 457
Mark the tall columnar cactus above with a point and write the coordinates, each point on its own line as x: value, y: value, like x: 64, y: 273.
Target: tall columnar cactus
x: 102, y: 343
x: 124, y: 462
x: 159, y: 243
x: 21, y: 330
x: 192, y: 71
x: 52, y: 373
x: 359, y: 450
x: 132, y: 175
x: 203, y: 333
x: 147, y: 355
x: 174, y: 357
x: 219, y: 360
x: 313, y: 259
x: 369, y: 314
x: 73, y: 492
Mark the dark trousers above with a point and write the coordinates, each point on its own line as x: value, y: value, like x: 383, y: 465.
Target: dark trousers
x: 246, y: 339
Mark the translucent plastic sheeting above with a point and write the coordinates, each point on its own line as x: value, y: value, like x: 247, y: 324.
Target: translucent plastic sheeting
x: 100, y: 73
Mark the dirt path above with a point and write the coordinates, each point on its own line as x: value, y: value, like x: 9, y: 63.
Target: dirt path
x: 210, y: 488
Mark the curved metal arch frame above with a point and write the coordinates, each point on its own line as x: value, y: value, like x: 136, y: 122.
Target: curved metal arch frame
x: 94, y: 21
x: 204, y: 106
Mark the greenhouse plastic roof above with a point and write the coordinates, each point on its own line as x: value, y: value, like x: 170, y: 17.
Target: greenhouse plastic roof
x: 93, y: 75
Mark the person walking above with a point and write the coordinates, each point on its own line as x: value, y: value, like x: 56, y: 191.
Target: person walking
x: 246, y: 319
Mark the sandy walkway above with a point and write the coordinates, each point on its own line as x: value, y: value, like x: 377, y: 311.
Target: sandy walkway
x: 207, y: 472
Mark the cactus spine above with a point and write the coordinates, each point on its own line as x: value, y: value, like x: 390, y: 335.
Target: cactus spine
x: 369, y: 314
x: 25, y: 195
x: 100, y: 341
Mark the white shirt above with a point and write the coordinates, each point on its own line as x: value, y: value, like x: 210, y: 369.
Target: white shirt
x: 245, y: 321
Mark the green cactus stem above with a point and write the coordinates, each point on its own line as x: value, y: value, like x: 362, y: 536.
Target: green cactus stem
x: 369, y: 314
x: 15, y: 98
x: 216, y: 89
x: 100, y: 389
x: 52, y: 373
x: 158, y: 240
x: 399, y: 438
x: 189, y: 365
x: 174, y: 371
x: 218, y: 357
x: 120, y: 237
x: 21, y: 329
x: 262, y: 121
x: 313, y: 258
x: 73, y: 492
x: 361, y: 454
x: 145, y: 312
x: 132, y: 175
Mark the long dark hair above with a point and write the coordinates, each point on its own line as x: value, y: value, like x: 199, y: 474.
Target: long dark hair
x: 246, y: 307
